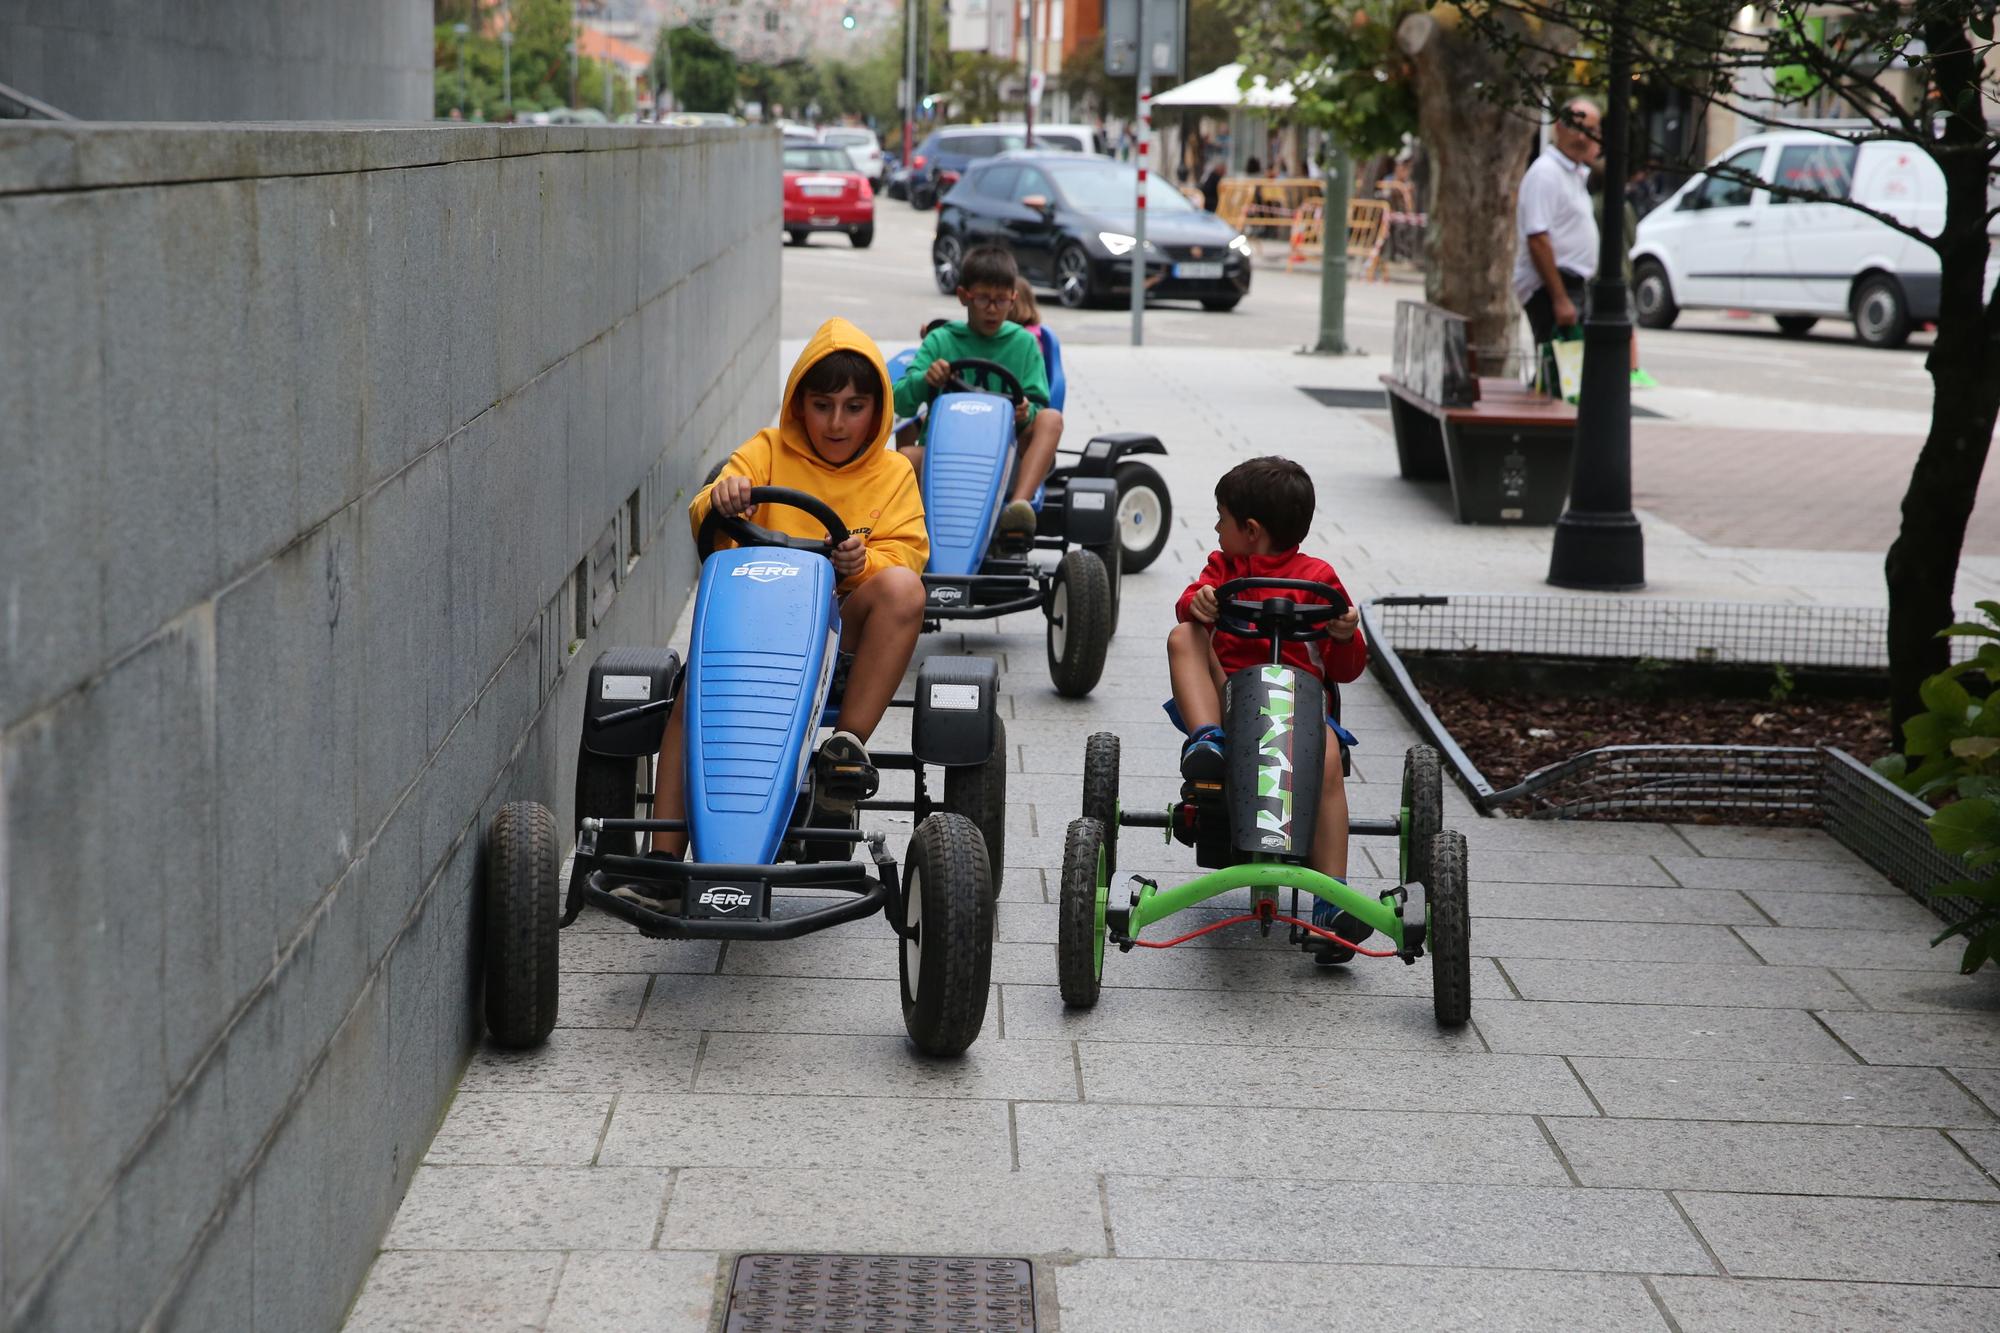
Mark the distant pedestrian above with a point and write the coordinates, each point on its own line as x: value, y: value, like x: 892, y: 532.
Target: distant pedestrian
x: 1211, y: 184
x: 1558, y: 245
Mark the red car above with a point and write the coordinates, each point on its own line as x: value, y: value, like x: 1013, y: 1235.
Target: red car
x: 823, y: 192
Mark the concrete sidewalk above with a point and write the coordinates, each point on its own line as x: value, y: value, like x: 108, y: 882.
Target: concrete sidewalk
x: 1715, y: 1078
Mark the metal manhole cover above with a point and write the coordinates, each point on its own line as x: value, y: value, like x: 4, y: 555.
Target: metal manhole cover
x: 880, y: 1293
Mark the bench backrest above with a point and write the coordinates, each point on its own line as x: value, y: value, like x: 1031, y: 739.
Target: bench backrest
x: 1430, y: 354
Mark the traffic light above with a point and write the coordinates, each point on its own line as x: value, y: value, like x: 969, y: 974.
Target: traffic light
x: 847, y: 19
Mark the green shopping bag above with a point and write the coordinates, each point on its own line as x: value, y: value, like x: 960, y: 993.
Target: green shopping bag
x: 1563, y: 362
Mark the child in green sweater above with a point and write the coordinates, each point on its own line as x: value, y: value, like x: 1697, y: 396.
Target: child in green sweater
x: 986, y: 281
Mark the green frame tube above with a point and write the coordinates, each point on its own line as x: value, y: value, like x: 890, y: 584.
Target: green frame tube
x: 1155, y: 904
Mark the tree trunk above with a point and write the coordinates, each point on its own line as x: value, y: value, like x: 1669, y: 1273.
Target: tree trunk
x: 1479, y: 150
x: 1922, y: 566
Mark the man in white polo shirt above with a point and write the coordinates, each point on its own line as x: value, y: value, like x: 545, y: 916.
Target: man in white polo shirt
x: 1558, y: 248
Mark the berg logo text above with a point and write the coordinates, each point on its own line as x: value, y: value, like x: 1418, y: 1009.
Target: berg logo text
x: 764, y: 571
x: 724, y: 900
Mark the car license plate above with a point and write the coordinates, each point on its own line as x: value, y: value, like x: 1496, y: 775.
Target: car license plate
x: 1200, y: 270
x: 820, y: 191
x: 823, y: 222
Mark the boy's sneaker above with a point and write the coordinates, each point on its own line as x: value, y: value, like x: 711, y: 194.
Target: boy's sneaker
x: 1017, y: 521
x: 843, y: 775
x: 1351, y: 929
x: 1202, y: 759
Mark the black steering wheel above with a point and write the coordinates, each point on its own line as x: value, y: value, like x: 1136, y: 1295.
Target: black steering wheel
x: 745, y: 533
x: 1281, y: 619
x: 956, y: 381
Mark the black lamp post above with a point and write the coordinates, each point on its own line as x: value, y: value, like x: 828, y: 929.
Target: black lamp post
x: 1598, y: 542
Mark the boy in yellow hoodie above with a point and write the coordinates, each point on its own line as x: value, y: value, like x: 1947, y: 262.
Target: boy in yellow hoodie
x: 832, y: 441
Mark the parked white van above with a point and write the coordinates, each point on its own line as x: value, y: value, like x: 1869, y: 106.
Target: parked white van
x: 1720, y: 244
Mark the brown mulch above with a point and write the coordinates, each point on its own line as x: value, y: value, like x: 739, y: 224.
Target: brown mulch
x: 1499, y: 731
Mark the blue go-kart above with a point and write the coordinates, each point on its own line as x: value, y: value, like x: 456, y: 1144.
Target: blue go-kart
x: 1082, y: 518
x: 764, y: 674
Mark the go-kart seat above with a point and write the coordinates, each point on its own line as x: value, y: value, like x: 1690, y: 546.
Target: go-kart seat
x: 1052, y: 361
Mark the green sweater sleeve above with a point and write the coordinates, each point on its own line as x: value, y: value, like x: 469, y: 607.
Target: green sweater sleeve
x: 1014, y: 347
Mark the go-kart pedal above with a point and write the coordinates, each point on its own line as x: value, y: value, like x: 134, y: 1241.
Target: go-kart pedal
x: 843, y: 775
x: 1325, y: 952
x: 669, y: 905
x: 1202, y: 759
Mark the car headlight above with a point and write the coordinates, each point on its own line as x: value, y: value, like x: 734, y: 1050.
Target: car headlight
x: 1117, y: 242
x: 1240, y: 244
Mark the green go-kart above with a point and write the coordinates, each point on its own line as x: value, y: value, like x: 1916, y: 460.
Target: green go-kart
x: 1253, y: 829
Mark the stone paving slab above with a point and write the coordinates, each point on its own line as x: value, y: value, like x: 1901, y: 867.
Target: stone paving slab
x: 1844, y: 911
x: 1751, y: 986
x: 1746, y: 873
x: 1609, y: 941
x: 621, y: 1291
x: 1851, y: 1240
x: 1456, y: 1226
x: 1377, y: 1080
x: 1232, y: 1017
x: 1800, y: 946
x: 883, y: 1211
x: 1598, y: 902
x: 521, y: 1129
x: 586, y: 1060
x: 1202, y: 1296
x: 1927, y: 992
x: 1288, y: 1143
x: 417, y: 1291
x: 1920, y: 1039
x: 1726, y: 841
x: 1827, y: 1094
x: 786, y: 1065
x: 830, y: 1132
x: 1710, y: 1305
x: 529, y: 1208
x: 1659, y: 1031
x: 1769, y: 1159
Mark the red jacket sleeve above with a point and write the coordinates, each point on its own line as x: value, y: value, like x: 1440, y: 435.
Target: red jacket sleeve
x: 1344, y: 661
x: 1213, y: 575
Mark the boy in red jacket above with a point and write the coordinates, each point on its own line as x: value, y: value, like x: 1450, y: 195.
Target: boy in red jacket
x: 1263, y: 510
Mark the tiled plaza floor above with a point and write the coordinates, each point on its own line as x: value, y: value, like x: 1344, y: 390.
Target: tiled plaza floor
x: 1715, y: 1078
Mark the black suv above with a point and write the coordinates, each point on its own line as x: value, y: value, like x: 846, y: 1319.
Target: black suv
x: 1068, y: 220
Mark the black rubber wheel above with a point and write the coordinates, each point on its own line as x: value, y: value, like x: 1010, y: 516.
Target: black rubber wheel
x: 1653, y: 296
x: 1079, y: 623
x: 1796, y: 326
x: 862, y: 237
x: 1113, y: 558
x: 1220, y: 304
x: 794, y: 237
x: 946, y: 959
x: 1079, y: 942
x: 923, y: 196
x: 946, y: 252
x: 1881, y: 315
x: 1145, y: 514
x: 1100, y: 792
x: 522, y: 908
x: 1423, y: 797
x: 608, y: 787
x: 1074, y: 287
x: 979, y: 792
x: 1448, y: 937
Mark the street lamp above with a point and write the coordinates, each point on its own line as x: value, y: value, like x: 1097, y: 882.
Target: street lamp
x: 507, y: 68
x: 1598, y: 544
x: 461, y: 30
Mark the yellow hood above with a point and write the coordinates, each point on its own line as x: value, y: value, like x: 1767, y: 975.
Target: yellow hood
x: 875, y: 492
x: 836, y: 335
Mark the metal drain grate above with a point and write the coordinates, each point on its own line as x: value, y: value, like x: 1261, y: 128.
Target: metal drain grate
x: 880, y: 1293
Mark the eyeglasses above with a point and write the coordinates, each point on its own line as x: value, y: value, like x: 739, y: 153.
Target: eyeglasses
x: 992, y: 302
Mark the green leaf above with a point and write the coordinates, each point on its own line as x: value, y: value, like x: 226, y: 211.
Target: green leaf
x: 1976, y: 784
x: 1990, y: 607
x: 1977, y: 951
x: 1972, y: 890
x: 1975, y: 748
x: 1942, y: 694
x: 1892, y: 766
x: 1966, y: 826
x: 1968, y: 632
x: 1925, y: 734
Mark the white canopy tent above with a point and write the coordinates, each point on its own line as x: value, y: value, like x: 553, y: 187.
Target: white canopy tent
x: 1219, y: 88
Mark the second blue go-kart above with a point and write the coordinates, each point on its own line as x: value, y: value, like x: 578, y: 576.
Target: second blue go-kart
x: 763, y: 676
x: 976, y: 574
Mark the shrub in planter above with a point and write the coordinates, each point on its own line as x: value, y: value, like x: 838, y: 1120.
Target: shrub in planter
x: 1951, y: 758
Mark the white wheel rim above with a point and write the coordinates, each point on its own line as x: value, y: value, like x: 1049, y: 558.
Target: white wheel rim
x: 1875, y: 313
x: 1138, y: 518
x: 946, y: 264
x: 1059, y: 620
x: 1649, y: 295
x: 913, y: 932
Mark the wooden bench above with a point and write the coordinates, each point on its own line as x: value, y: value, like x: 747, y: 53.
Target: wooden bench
x: 1504, y: 448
